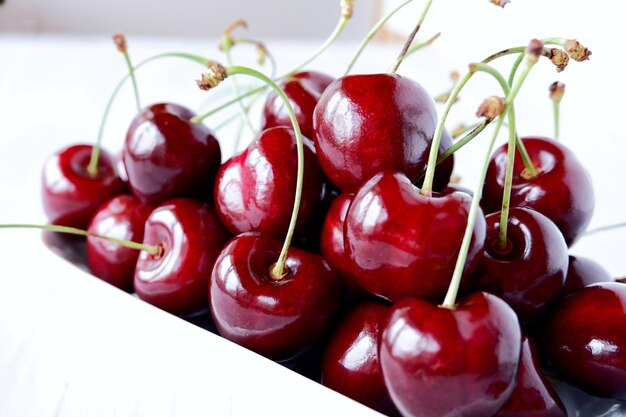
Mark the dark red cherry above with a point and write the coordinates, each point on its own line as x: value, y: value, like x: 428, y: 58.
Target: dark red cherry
x: 533, y: 395
x: 439, y: 362
x: 368, y: 123
x: 70, y: 194
x: 582, y: 272
x: 278, y: 319
x: 191, y: 237
x: 563, y: 191
x: 254, y: 190
x: 303, y: 90
x: 167, y: 156
x: 401, y: 243
x: 123, y: 217
x: 530, y: 272
x: 350, y: 364
x: 585, y: 340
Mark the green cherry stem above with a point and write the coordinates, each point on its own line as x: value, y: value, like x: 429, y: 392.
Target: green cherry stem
x: 409, y: 41
x: 120, y: 42
x: 450, y: 299
x: 424, y: 44
x: 211, y: 79
x: 373, y: 32
x: 227, y: 43
x: 153, y: 250
x: 557, y: 90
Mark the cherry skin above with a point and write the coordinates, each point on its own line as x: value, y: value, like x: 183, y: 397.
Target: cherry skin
x: 582, y: 272
x: 585, y: 340
x: 167, y: 156
x: 278, y: 319
x: 533, y: 395
x: 123, y: 217
x: 442, y: 363
x: 191, y: 237
x: 530, y: 273
x: 365, y: 124
x: 303, y: 89
x: 254, y: 190
x: 401, y: 243
x: 350, y: 364
x: 562, y: 191
x: 70, y: 194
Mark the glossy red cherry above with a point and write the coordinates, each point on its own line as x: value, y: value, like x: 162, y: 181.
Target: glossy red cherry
x: 254, y: 190
x: 562, y: 191
x: 70, y: 194
x: 191, y: 237
x: 365, y: 124
x: 530, y: 272
x: 167, y: 156
x: 533, y: 395
x: 439, y: 362
x: 278, y: 319
x: 585, y: 340
x: 582, y: 272
x: 303, y: 90
x: 123, y: 217
x: 401, y: 243
x: 350, y: 364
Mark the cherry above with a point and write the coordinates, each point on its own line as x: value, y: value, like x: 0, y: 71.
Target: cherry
x: 530, y: 272
x: 368, y: 123
x: 401, y: 243
x: 123, y: 217
x: 70, y: 194
x: 254, y: 191
x: 303, y: 89
x: 277, y: 317
x: 562, y: 190
x: 585, y: 340
x: 533, y: 395
x: 350, y: 364
x: 450, y: 362
x: 191, y: 237
x: 167, y: 156
x: 582, y: 272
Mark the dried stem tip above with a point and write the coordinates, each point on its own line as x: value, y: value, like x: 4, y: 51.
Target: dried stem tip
x: 261, y: 53
x: 211, y: 79
x: 559, y: 58
x: 576, y: 50
x: 239, y: 23
x: 534, y: 49
x: 557, y: 90
x: 120, y: 42
x: 347, y: 7
x: 500, y: 3
x: 491, y: 107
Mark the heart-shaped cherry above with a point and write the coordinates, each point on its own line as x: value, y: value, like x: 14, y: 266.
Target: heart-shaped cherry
x: 167, y: 156
x: 444, y: 362
x: 123, y: 217
x: 562, y: 191
x: 254, y: 190
x: 585, y: 340
x: 530, y: 272
x: 351, y: 365
x: 533, y: 395
x: 191, y: 237
x: 70, y: 194
x: 368, y: 123
x: 303, y: 90
x: 582, y: 272
x: 401, y: 243
x: 277, y: 317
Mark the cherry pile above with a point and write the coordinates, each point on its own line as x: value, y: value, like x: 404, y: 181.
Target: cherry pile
x: 377, y: 242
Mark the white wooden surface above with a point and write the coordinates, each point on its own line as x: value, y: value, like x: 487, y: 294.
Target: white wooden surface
x: 70, y: 345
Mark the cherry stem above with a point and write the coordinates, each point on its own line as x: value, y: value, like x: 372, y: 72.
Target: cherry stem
x: 450, y: 299
x: 605, y: 228
x: 424, y: 44
x: 153, y: 250
x: 121, y: 44
x: 92, y: 168
x: 557, y: 90
x: 556, y: 106
x: 409, y: 41
x: 227, y: 43
x: 373, y: 32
